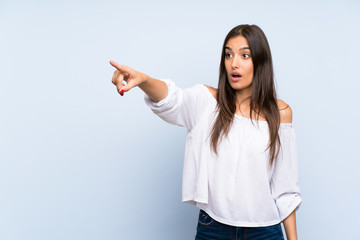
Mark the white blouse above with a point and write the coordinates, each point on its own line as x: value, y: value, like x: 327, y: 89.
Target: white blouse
x: 236, y: 187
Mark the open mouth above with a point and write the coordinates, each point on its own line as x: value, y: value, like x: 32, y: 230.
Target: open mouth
x: 235, y: 77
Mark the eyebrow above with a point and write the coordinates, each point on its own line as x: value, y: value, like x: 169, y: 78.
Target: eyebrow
x: 243, y: 48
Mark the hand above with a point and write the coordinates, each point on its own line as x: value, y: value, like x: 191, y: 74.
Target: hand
x: 130, y: 76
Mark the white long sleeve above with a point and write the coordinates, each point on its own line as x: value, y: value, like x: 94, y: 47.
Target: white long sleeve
x: 182, y: 107
x: 285, y: 180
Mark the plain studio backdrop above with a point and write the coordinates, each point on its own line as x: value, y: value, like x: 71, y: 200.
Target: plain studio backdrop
x: 78, y: 161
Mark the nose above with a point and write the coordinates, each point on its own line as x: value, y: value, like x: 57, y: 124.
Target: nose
x: 235, y: 62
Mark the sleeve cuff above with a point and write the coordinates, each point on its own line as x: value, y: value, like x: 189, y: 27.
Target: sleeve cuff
x: 287, y: 206
x: 159, y: 106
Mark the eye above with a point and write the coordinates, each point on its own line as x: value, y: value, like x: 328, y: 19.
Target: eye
x: 228, y: 55
x: 246, y: 55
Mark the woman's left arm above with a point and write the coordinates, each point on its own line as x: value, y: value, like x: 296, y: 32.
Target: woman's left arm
x: 290, y: 226
x: 285, y: 178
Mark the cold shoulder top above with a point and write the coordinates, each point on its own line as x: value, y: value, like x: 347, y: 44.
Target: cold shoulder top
x: 236, y: 187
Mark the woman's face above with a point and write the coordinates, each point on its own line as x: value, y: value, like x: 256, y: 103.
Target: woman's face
x: 238, y: 64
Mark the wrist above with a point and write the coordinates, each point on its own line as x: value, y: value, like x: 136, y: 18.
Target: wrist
x: 292, y: 238
x: 144, y: 79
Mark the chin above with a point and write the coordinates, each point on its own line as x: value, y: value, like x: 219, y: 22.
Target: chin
x: 239, y: 85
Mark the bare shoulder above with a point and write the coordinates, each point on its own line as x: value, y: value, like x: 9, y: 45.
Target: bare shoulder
x: 285, y: 112
x: 212, y: 90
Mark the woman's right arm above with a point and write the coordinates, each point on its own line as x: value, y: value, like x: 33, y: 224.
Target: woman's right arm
x: 182, y: 107
x: 154, y: 88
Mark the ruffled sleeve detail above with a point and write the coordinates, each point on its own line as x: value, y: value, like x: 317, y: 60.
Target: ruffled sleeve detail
x: 285, y: 178
x: 181, y: 107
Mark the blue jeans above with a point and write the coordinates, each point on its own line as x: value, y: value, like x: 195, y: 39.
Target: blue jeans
x: 209, y: 229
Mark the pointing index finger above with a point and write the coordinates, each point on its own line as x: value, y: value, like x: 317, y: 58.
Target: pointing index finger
x: 117, y: 66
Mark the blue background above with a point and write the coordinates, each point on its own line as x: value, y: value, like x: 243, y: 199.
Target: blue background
x: 77, y: 161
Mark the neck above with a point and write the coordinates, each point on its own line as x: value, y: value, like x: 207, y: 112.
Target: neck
x: 243, y: 96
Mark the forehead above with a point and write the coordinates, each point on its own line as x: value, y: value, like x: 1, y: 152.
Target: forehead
x: 235, y: 43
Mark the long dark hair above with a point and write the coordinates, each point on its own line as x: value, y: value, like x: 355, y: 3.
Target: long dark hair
x: 263, y: 98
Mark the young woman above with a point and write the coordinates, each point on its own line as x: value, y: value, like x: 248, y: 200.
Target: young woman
x: 240, y: 166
